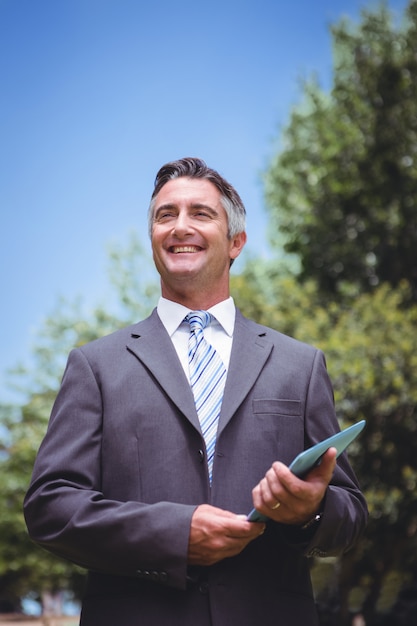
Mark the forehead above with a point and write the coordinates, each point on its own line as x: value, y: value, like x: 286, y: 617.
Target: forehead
x: 184, y: 190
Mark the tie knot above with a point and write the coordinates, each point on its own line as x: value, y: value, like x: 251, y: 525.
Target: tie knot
x: 198, y: 320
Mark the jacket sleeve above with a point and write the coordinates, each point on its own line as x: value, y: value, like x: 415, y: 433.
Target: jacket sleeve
x: 66, y: 511
x: 343, y: 512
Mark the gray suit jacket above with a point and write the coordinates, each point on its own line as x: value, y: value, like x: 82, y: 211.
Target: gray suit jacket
x: 122, y: 468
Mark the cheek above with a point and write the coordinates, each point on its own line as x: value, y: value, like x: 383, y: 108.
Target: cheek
x: 157, y: 254
x: 156, y: 242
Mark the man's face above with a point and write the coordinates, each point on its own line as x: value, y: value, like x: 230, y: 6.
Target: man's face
x: 190, y: 245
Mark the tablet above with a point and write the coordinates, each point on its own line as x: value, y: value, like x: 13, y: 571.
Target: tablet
x: 306, y: 460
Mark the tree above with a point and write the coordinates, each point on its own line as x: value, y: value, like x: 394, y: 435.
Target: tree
x: 342, y: 199
x: 371, y: 350
x: 343, y: 191
x: 24, y: 567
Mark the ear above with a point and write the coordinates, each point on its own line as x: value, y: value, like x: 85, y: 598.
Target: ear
x: 236, y: 244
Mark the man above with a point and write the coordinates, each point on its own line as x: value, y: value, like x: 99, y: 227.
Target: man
x: 129, y: 484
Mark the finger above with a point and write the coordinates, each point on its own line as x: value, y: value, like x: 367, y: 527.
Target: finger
x: 216, y: 534
x: 271, y: 490
x: 328, y: 462
x: 294, y: 492
x: 264, y: 501
x: 323, y: 472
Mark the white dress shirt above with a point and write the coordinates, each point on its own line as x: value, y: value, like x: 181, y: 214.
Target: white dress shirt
x: 219, y: 333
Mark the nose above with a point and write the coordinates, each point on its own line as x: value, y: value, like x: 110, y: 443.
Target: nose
x: 182, y: 225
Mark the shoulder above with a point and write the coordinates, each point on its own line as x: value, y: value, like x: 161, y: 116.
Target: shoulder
x: 119, y: 338
x: 283, y: 342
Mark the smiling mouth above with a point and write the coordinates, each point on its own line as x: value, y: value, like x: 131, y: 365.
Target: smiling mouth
x: 182, y: 249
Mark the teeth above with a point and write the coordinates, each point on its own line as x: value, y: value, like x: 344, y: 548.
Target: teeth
x: 178, y: 249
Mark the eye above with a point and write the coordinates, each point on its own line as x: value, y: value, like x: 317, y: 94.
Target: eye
x: 164, y: 215
x: 202, y: 213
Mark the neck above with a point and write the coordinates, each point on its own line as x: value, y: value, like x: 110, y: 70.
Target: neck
x: 195, y: 301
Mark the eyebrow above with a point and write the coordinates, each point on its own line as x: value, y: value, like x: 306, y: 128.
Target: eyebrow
x: 195, y: 205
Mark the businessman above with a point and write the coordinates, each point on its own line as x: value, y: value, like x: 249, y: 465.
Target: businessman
x: 165, y: 434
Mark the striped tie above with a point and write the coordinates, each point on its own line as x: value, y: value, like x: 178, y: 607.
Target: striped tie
x: 207, y: 377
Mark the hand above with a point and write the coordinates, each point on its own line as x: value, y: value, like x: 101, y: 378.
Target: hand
x: 217, y: 534
x: 299, y: 499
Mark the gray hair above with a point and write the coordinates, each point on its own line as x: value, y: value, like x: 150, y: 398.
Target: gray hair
x: 191, y: 167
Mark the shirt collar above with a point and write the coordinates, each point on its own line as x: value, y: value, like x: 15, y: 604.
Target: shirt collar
x: 172, y: 314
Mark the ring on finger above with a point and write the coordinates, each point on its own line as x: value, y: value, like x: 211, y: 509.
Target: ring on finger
x: 276, y: 506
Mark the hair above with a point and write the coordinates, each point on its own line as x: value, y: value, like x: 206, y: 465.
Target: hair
x: 191, y: 167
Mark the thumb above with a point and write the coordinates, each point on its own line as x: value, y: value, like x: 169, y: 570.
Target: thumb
x: 325, y: 470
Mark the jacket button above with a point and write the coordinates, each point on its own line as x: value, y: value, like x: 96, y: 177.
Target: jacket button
x: 201, y: 455
x: 203, y: 588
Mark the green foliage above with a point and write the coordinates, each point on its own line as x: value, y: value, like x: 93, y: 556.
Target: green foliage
x: 371, y: 351
x: 342, y: 195
x: 134, y: 278
x: 343, y: 191
x: 24, y: 567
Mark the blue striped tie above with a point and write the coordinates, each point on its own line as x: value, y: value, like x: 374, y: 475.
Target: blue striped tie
x: 207, y: 377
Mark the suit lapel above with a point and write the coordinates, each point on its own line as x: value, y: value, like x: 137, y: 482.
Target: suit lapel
x: 250, y: 352
x: 151, y: 344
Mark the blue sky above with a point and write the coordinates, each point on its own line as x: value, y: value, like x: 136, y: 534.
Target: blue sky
x: 97, y: 94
